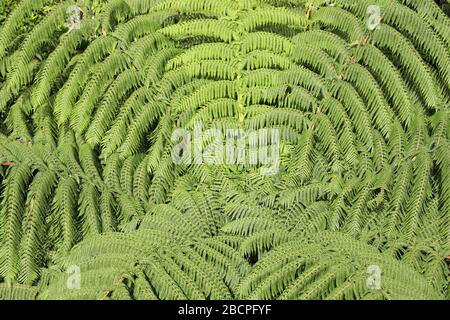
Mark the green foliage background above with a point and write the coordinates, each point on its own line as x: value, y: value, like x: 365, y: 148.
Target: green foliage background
x: 87, y: 179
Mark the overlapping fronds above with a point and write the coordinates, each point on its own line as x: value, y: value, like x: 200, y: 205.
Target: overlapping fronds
x: 93, y: 206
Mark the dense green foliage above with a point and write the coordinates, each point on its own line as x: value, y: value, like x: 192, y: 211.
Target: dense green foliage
x: 87, y: 178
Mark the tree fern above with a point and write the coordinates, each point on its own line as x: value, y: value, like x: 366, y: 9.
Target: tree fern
x: 88, y: 181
